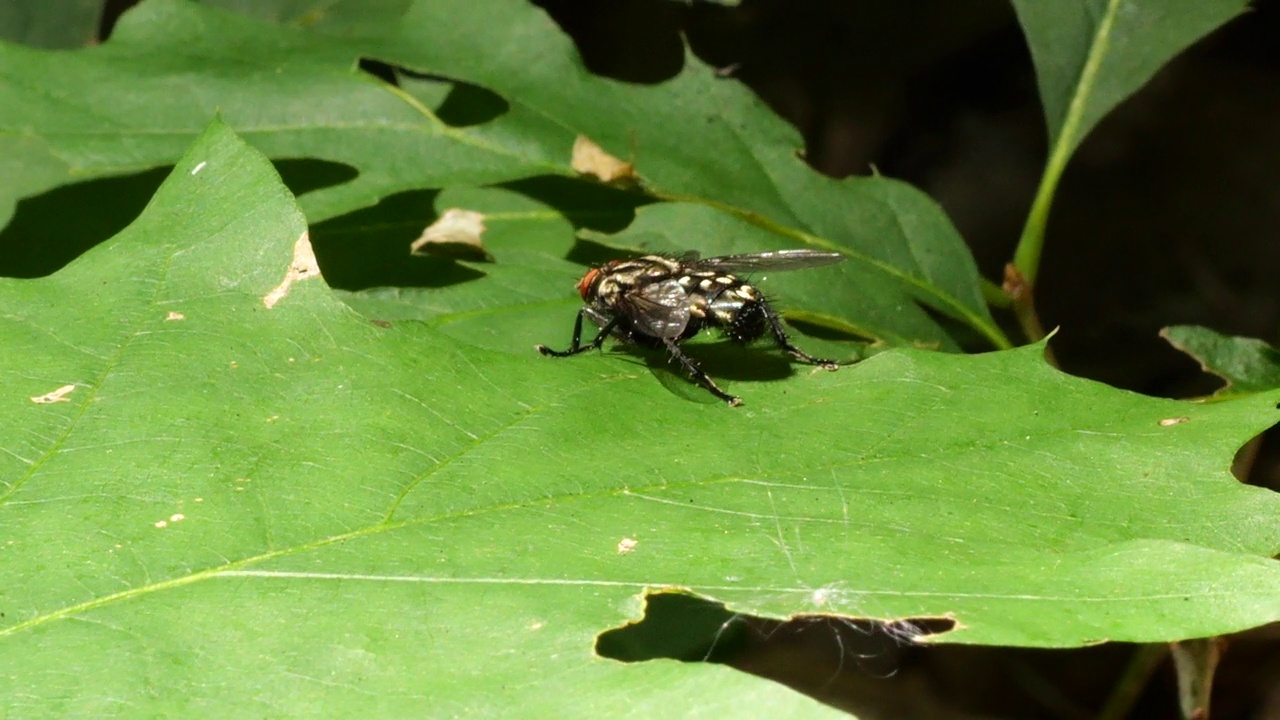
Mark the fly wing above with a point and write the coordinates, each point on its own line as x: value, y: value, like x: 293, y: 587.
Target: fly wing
x: 774, y: 260
x: 659, y: 309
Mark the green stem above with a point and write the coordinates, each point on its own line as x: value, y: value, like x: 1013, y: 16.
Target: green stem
x: 1018, y: 291
x: 993, y: 295
x: 1027, y: 255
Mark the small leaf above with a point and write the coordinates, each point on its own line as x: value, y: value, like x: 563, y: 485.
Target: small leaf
x: 1089, y: 56
x: 1248, y: 365
x: 1092, y: 54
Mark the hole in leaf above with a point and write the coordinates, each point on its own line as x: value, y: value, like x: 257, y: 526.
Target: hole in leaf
x: 681, y: 626
x: 677, y: 626
x: 814, y: 654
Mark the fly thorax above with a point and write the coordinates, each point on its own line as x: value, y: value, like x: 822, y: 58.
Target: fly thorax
x: 610, y: 287
x: 659, y: 268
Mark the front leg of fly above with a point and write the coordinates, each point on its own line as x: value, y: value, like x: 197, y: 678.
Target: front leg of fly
x: 576, y: 345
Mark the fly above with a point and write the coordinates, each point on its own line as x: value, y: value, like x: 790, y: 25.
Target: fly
x: 661, y: 301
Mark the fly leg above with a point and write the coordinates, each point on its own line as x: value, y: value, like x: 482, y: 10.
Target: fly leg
x: 780, y: 337
x: 576, y: 346
x: 698, y: 375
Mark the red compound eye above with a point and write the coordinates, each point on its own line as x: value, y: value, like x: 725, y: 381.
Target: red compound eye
x: 587, y: 281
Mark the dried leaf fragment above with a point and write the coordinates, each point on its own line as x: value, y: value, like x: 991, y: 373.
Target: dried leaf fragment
x: 303, y: 267
x: 58, y: 395
x: 457, y: 235
x: 591, y: 159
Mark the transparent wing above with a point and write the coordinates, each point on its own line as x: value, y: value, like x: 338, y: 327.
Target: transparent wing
x: 659, y: 309
x: 774, y: 260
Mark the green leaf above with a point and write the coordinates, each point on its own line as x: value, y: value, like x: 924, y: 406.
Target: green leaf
x: 350, y: 14
x: 1089, y: 56
x: 696, y: 138
x: 282, y: 11
x: 294, y: 93
x: 1248, y: 365
x: 45, y: 24
x: 209, y: 502
x: 1092, y: 54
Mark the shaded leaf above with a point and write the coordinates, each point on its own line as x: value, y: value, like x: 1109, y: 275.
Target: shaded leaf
x: 1092, y: 54
x: 1248, y: 365
x: 1089, y: 56
x: 50, y: 25
x: 135, y: 102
